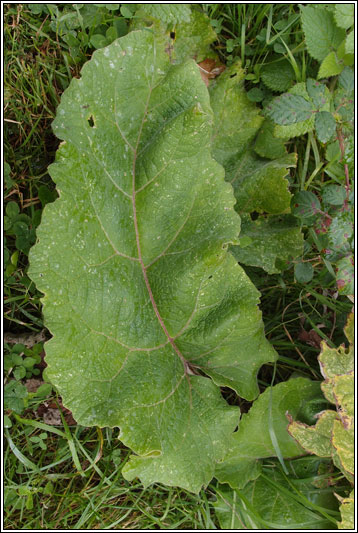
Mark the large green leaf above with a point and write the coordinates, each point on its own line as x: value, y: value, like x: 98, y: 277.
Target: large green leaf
x: 264, y: 426
x: 268, y: 239
x: 141, y: 296
x: 276, y: 501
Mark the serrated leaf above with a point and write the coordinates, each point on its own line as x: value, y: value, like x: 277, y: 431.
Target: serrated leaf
x: 321, y: 33
x: 330, y: 66
x: 270, y: 501
x: 168, y: 13
x: 232, y: 107
x: 278, y: 76
x: 346, y: 80
x: 345, y: 275
x: 304, y: 272
x: 306, y: 206
x: 325, y: 125
x: 271, y: 238
x: 344, y: 15
x: 341, y: 229
x: 294, y: 130
x: 349, y: 43
x: 252, y: 441
x: 333, y: 194
x: 140, y: 290
x: 266, y: 144
x: 317, y: 91
x: 289, y: 109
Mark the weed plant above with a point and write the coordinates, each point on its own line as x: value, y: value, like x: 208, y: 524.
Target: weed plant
x: 68, y: 476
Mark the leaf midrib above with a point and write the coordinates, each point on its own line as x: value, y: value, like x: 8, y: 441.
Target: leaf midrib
x: 187, y: 369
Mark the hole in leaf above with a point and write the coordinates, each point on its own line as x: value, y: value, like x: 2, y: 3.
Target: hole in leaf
x: 254, y: 215
x: 91, y: 122
x: 172, y: 34
x: 233, y: 75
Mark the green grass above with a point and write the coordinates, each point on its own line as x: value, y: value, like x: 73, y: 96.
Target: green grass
x: 69, y: 477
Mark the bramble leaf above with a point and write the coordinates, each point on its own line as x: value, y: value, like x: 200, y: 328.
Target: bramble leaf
x: 321, y: 33
x: 300, y: 128
x: 289, y: 109
x: 325, y: 126
x: 140, y: 291
x: 278, y: 76
x: 345, y: 275
x: 317, y: 91
x: 330, y: 66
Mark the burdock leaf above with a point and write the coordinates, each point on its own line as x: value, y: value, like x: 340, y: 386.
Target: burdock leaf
x: 272, y: 238
x: 141, y: 295
x: 267, y: 416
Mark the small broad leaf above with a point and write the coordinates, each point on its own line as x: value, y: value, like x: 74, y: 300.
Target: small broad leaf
x: 304, y: 272
x: 267, y: 416
x: 325, y: 125
x: 317, y: 91
x: 346, y: 80
x: 345, y: 275
x: 98, y: 41
x: 349, y: 43
x: 321, y: 32
x: 289, y: 109
x: 271, y: 238
x: 140, y: 290
x: 278, y: 76
x: 300, y: 128
x: 331, y: 66
x: 344, y: 15
x: 306, y: 206
x: 340, y: 230
x: 333, y: 194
